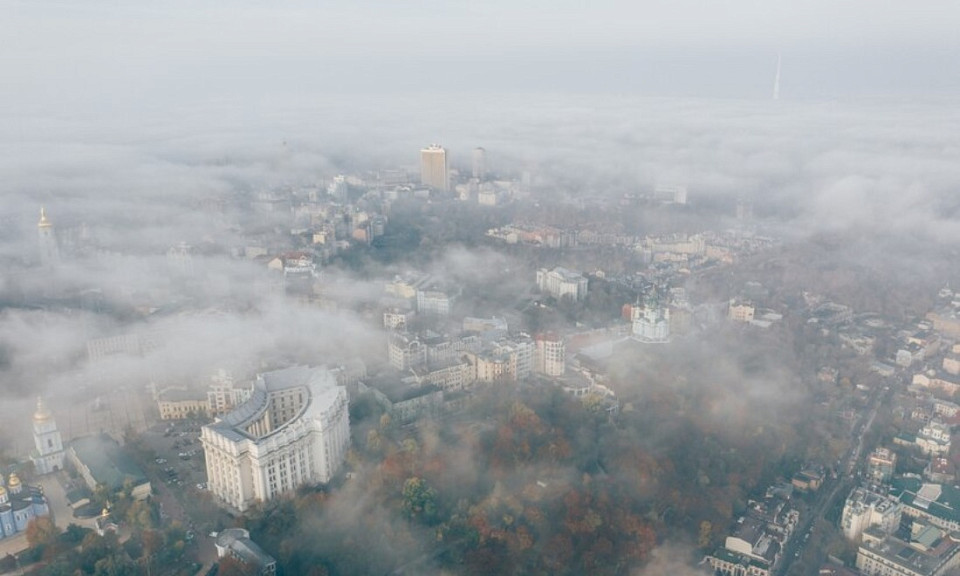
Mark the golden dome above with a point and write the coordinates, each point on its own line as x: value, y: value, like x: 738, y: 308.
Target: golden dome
x: 42, y: 414
x: 44, y: 223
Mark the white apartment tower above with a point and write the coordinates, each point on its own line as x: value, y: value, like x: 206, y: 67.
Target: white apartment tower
x: 294, y: 430
x: 48, y: 455
x: 435, y: 167
x: 479, y: 163
x: 551, y: 355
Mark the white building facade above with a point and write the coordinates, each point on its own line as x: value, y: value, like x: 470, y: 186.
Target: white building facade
x: 561, y: 282
x: 294, y: 430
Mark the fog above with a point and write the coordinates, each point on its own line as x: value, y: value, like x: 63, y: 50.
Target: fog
x: 140, y: 128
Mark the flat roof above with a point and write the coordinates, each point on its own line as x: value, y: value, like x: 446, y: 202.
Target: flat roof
x: 108, y: 463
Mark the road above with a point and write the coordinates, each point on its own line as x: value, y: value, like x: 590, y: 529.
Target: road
x: 834, y: 488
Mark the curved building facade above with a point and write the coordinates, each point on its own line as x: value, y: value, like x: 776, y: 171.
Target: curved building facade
x: 294, y: 430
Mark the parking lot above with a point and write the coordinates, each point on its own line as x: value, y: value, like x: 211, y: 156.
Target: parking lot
x: 178, y: 461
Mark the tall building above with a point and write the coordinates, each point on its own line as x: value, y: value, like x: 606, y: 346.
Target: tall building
x: 294, y: 430
x: 435, y: 167
x: 550, y: 358
x: 866, y: 509
x: 47, y: 241
x: 224, y: 395
x: 479, y: 163
x: 881, y: 464
x: 48, y: 456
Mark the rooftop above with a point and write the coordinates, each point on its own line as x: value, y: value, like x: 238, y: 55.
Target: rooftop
x: 107, y: 462
x: 237, y: 540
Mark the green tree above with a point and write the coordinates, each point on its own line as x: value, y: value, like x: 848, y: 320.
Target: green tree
x: 419, y: 500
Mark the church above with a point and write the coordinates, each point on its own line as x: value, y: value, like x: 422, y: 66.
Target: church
x: 19, y: 504
x: 48, y: 451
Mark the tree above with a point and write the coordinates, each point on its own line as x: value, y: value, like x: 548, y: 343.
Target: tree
x: 706, y: 531
x: 419, y: 499
x: 41, y: 532
x: 74, y: 534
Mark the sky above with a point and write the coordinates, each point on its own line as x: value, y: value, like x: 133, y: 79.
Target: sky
x: 145, y: 55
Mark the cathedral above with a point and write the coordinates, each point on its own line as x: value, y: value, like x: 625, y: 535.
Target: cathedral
x: 48, y: 454
x: 19, y: 504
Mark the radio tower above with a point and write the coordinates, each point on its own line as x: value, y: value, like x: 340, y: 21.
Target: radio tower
x: 776, y: 80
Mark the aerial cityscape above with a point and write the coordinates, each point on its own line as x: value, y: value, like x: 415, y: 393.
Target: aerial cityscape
x: 335, y: 290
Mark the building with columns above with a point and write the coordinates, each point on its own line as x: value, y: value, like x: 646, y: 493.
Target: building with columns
x: 48, y: 454
x: 293, y: 430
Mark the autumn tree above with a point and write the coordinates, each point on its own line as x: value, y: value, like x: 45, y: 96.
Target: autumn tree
x: 419, y: 500
x: 41, y: 532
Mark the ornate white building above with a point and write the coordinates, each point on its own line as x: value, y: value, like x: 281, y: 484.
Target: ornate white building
x: 651, y: 323
x: 294, y: 430
x: 48, y: 455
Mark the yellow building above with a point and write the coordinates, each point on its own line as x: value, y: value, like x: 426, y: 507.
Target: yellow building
x: 435, y: 167
x: 180, y: 404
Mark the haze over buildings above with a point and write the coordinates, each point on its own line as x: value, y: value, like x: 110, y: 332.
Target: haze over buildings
x: 637, y: 314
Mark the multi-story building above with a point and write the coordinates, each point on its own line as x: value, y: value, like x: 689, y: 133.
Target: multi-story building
x: 395, y: 318
x: 550, y: 357
x: 455, y: 376
x: 294, y: 430
x: 433, y: 302
x: 435, y: 167
x: 405, y: 351
x: 931, y: 551
x: 739, y: 311
x: 223, y: 394
x: 561, y: 282
x: 479, y: 163
x: 865, y: 509
x: 754, y: 547
x: 881, y: 464
x: 509, y: 360
x: 938, y: 504
x: 177, y: 404
x: 934, y: 438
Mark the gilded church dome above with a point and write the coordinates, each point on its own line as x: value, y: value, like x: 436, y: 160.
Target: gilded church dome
x: 43, y: 413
